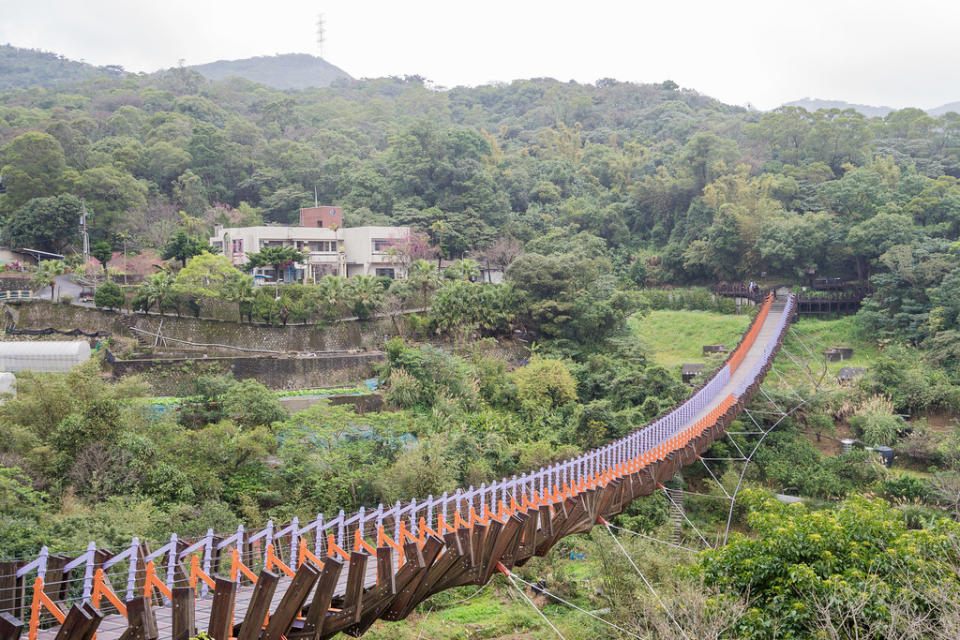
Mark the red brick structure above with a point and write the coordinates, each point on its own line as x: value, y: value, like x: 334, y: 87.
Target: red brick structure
x: 325, y: 217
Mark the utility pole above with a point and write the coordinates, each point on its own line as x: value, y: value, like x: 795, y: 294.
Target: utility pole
x: 83, y: 232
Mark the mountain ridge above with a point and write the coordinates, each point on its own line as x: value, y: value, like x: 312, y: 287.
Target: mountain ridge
x: 22, y: 68
x: 281, y: 71
x: 813, y: 104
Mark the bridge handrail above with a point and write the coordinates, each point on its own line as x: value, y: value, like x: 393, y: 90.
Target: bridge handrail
x: 537, y: 487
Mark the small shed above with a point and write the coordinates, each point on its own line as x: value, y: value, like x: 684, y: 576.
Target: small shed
x: 43, y: 357
x: 690, y: 371
x: 8, y: 383
x: 713, y: 348
x: 847, y: 375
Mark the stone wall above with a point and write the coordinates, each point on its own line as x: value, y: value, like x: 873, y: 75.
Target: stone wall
x: 175, y: 376
x: 342, y: 336
x: 10, y: 282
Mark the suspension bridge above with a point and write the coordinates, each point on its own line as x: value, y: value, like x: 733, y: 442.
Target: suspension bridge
x: 313, y: 580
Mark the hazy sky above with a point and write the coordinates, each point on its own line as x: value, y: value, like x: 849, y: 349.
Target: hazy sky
x: 764, y: 52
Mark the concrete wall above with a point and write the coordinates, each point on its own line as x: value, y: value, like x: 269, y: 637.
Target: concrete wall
x: 40, y: 314
x: 175, y: 376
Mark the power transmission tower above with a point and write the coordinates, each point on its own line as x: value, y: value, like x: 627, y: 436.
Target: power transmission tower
x: 321, y: 33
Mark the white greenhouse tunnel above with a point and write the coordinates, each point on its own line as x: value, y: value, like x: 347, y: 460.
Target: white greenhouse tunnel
x: 43, y: 357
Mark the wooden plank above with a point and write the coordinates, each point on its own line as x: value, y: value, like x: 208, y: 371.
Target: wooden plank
x: 220, y: 626
x: 183, y: 614
x: 259, y: 605
x: 486, y: 551
x: 10, y: 627
x: 313, y: 626
x: 448, y: 568
x: 56, y: 582
x: 528, y: 542
x: 508, y: 538
x: 74, y: 624
x: 351, y: 610
x: 292, y: 603
x: 356, y: 576
x: 385, y: 573
x: 140, y: 616
x: 409, y: 576
x: 96, y: 617
x: 12, y: 593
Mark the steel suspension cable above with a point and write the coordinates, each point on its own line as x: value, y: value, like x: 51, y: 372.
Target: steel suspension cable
x: 645, y: 581
x: 535, y: 608
x: 580, y: 609
x: 722, y: 488
x: 643, y: 535
x: 680, y: 509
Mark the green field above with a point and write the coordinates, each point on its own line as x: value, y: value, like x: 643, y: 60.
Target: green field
x: 675, y: 337
x: 810, y: 337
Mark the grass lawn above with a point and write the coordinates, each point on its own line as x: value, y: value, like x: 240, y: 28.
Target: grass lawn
x: 807, y: 340
x: 675, y: 337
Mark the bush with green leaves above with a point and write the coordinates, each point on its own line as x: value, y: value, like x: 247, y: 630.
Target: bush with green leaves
x: 544, y: 384
x: 875, y: 423
x: 792, y: 464
x: 108, y: 296
x: 437, y: 373
x: 852, y: 567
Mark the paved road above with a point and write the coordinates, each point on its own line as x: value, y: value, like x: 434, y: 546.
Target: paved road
x: 65, y: 287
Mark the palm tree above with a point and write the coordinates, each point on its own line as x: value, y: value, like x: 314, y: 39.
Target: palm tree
x: 158, y: 289
x: 46, y: 274
x: 424, y: 276
x: 332, y: 297
x: 464, y: 269
x: 365, y: 292
x: 239, y: 289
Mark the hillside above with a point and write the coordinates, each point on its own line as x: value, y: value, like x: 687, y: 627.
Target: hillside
x: 22, y: 68
x: 284, y: 71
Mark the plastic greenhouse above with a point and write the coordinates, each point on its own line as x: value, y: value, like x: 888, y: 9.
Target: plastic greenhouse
x: 43, y: 357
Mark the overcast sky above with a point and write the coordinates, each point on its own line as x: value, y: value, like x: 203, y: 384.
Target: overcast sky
x: 763, y: 52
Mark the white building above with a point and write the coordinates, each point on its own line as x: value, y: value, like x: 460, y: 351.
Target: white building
x: 330, y: 250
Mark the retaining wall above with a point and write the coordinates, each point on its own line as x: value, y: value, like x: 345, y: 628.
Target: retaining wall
x: 339, y: 337
x: 176, y: 376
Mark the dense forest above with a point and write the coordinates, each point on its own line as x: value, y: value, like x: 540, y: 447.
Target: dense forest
x: 593, y: 199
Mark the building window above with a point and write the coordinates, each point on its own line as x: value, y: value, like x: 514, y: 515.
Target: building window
x: 385, y: 273
x: 380, y: 245
x: 323, y: 246
x: 236, y: 247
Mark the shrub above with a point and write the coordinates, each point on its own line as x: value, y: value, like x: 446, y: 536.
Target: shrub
x: 108, y: 296
x: 875, y: 423
x: 403, y: 390
x: 545, y: 383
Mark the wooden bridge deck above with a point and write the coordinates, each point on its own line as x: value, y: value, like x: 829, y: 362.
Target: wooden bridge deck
x: 114, y: 624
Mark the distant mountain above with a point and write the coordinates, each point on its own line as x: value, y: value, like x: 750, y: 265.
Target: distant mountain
x: 946, y: 108
x: 812, y: 104
x: 284, y: 71
x: 22, y: 68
